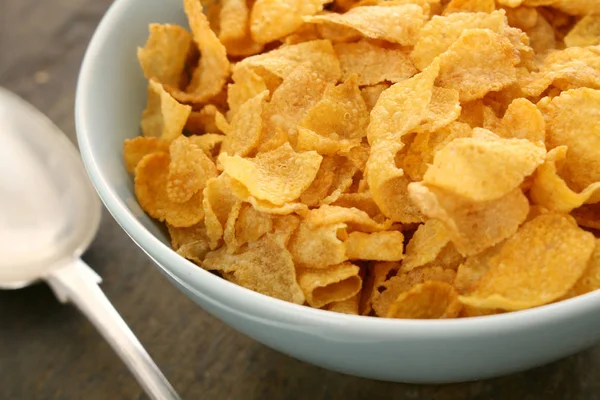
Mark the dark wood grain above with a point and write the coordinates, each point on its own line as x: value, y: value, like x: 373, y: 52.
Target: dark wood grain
x: 49, y: 351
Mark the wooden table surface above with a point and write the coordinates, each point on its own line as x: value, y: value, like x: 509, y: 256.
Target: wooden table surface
x: 49, y: 351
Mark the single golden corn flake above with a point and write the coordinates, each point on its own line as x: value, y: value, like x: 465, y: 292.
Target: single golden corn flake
x: 573, y: 120
x: 404, y: 282
x: 426, y: 244
x: 585, y: 33
x: 318, y: 246
x: 429, y: 300
x: 478, y: 62
x: 317, y: 56
x: 264, y: 267
x: 163, y: 117
x: 213, y: 70
x: 245, y: 129
x: 274, y: 19
x: 151, y: 177
x: 327, y: 285
x: 552, y: 192
x: 189, y: 170
x: 163, y: 58
x: 378, y: 246
x: 247, y: 85
x: 279, y: 176
x: 396, y: 24
x: 538, y: 265
x: 135, y: 149
x: 191, y: 242
x: 440, y: 33
x: 483, y: 170
x: 340, y: 114
x: 473, y: 226
x: 372, y: 64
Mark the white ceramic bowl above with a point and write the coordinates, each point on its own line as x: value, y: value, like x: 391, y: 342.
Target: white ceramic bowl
x: 110, y: 97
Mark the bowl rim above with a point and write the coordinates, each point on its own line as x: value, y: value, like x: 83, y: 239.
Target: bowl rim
x: 216, y: 289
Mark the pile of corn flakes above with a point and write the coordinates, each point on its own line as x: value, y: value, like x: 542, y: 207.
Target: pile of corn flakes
x: 402, y: 159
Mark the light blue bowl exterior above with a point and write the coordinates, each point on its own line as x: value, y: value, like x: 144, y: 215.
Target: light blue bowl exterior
x: 111, y: 96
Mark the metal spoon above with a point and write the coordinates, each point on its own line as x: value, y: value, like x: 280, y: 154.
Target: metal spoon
x: 49, y: 214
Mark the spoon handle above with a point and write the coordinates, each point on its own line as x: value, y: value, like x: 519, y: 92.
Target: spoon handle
x: 78, y: 283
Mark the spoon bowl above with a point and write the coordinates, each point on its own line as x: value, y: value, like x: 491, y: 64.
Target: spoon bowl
x: 50, y: 210
x: 50, y: 214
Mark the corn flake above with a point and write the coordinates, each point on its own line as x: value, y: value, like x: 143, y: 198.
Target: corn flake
x: 163, y: 58
x: 473, y: 226
x: 190, y: 243
x: 273, y: 19
x: 373, y: 64
x: 480, y: 61
x: 189, y: 170
x: 212, y: 72
x: 279, y: 176
x: 340, y: 114
x: 573, y: 120
x: 135, y: 149
x: 265, y: 267
x: 151, y: 177
x: 483, y: 170
x: 333, y: 284
x: 396, y: 24
x: 440, y: 33
x: 429, y: 300
x: 552, y: 192
x: 163, y: 117
x: 318, y: 56
x: 404, y: 282
x: 537, y: 265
